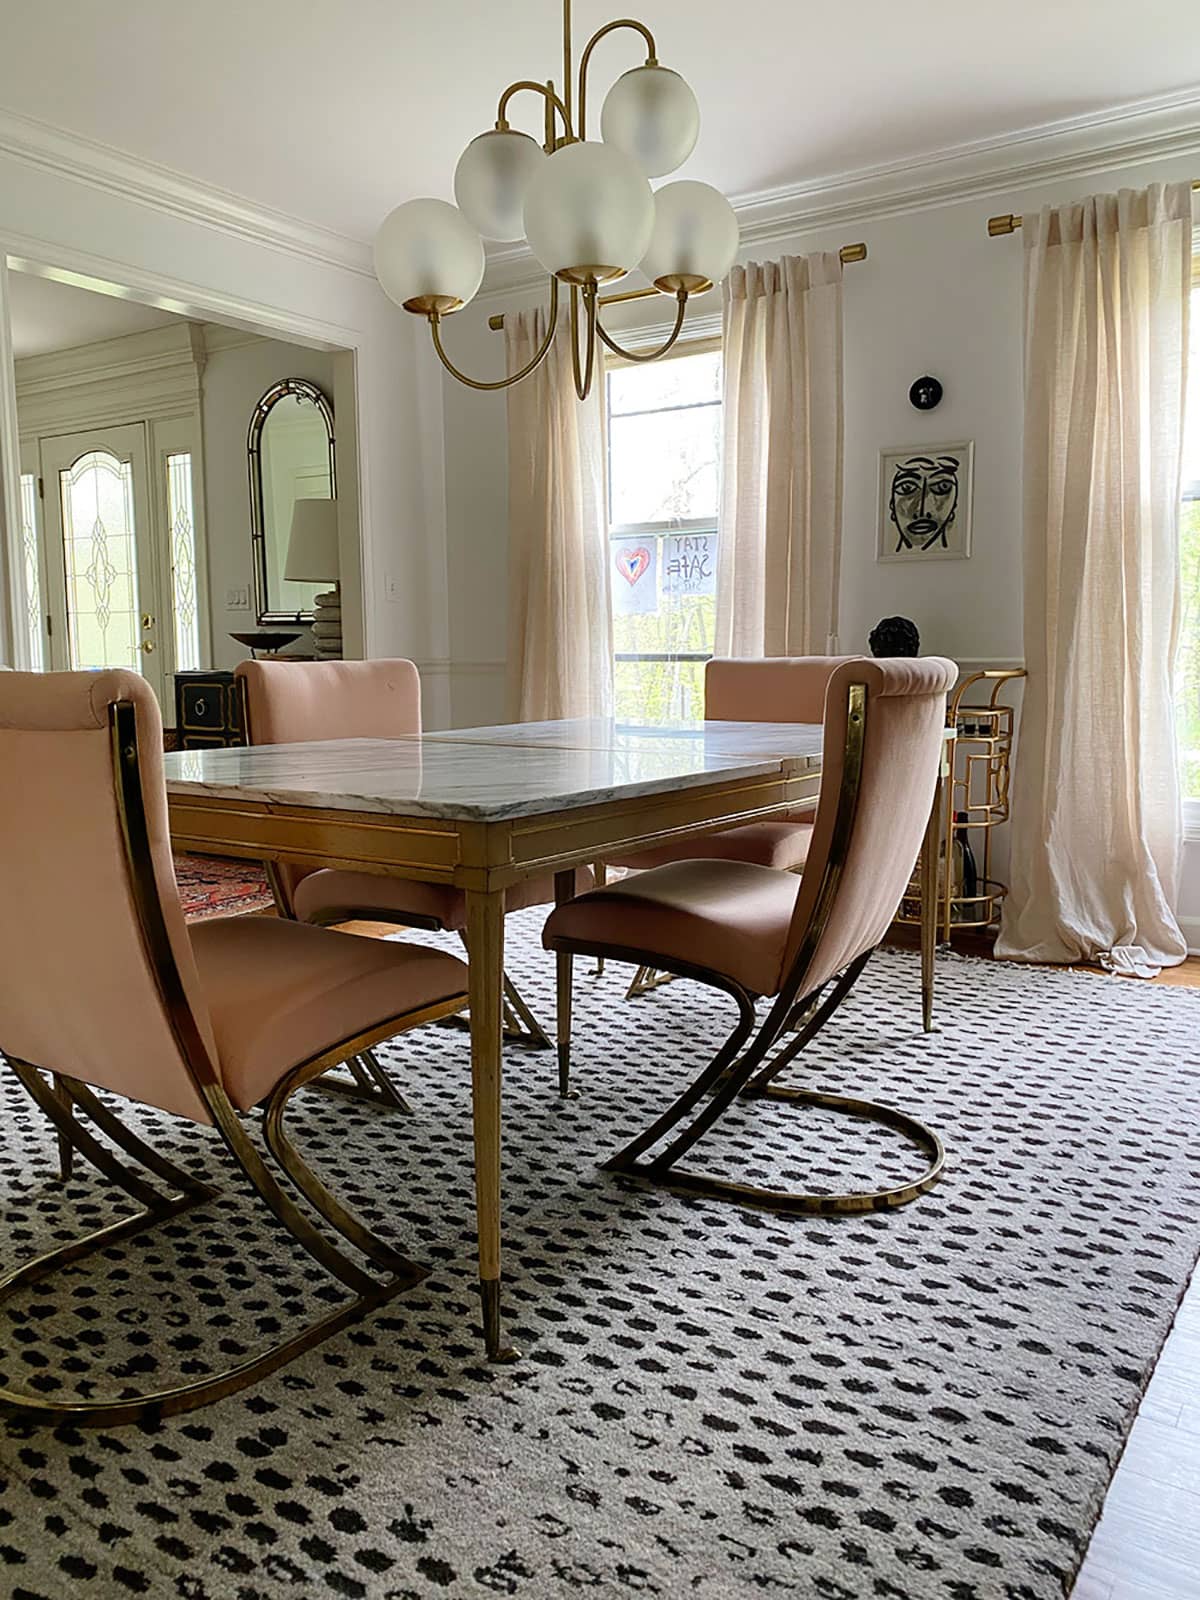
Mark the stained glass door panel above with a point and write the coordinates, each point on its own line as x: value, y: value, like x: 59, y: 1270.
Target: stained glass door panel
x: 98, y: 540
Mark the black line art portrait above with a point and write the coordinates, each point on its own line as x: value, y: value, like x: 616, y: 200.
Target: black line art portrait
x: 925, y: 503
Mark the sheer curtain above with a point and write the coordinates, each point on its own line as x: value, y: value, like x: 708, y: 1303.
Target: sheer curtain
x: 779, y: 551
x: 559, y: 625
x: 1096, y: 806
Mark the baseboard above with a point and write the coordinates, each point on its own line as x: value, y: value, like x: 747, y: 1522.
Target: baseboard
x: 1190, y: 928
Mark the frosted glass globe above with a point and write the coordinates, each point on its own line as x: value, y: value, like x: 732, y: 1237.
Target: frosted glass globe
x: 491, y: 178
x: 589, y: 210
x: 695, y: 236
x: 428, y: 257
x: 651, y: 114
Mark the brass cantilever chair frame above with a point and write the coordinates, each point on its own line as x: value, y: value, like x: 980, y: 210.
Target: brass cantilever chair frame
x: 737, y: 1071
x: 178, y: 1191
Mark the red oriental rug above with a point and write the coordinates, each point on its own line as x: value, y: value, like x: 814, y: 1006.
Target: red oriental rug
x: 211, y: 886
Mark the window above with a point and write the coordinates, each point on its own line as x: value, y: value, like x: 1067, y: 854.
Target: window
x: 1187, y: 670
x: 100, y: 553
x: 664, y: 474
x: 182, y: 536
x: 33, y: 584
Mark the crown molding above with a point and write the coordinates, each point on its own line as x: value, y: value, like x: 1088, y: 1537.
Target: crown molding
x: 1125, y: 135
x: 82, y: 160
x: 141, y: 375
x: 1122, y: 136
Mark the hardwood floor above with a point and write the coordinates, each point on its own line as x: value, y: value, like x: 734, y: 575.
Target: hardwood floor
x: 1147, y: 1543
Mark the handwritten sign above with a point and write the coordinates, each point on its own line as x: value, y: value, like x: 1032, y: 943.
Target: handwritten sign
x: 690, y: 563
x: 634, y: 576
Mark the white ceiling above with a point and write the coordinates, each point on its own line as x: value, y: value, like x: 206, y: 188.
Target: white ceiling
x: 56, y: 316
x: 335, y: 113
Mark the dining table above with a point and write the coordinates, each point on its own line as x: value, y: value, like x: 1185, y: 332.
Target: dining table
x: 484, y: 808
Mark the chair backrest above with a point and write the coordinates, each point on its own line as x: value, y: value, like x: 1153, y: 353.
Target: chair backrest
x: 882, y: 753
x: 291, y: 702
x: 88, y: 931
x: 773, y: 689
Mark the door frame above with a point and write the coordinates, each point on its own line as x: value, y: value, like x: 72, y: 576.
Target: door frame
x: 103, y: 275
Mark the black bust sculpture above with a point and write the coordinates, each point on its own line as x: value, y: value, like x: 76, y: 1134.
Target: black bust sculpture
x: 894, y: 636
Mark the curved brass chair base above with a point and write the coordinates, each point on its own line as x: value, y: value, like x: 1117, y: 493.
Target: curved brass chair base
x: 148, y: 1407
x: 177, y: 1192
x: 799, y: 1203
x: 368, y: 1083
x: 646, y: 979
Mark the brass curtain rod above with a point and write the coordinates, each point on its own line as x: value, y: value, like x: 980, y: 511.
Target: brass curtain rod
x: 1009, y: 223
x: 847, y: 254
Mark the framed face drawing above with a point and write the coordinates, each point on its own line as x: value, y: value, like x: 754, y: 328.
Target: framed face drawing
x: 925, y: 502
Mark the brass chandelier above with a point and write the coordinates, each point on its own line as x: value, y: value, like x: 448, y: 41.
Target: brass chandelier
x: 584, y: 206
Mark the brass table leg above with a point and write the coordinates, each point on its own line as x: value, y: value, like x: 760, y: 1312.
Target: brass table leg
x: 485, y: 935
x: 600, y: 878
x: 564, y: 971
x: 929, y: 906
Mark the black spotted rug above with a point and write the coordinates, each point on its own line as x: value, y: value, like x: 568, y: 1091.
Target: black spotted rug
x: 713, y: 1403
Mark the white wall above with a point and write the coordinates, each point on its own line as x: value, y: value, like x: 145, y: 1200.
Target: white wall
x: 201, y: 256
x: 234, y: 379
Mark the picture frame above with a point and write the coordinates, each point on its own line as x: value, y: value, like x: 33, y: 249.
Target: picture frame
x: 925, y: 496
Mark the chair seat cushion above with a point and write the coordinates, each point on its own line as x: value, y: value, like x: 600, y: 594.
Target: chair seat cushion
x: 280, y: 993
x: 726, y: 917
x: 331, y: 895
x: 779, y: 844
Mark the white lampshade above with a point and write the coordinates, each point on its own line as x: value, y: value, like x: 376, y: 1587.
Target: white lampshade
x: 589, y: 207
x: 695, y: 236
x: 312, y: 555
x: 428, y: 257
x: 651, y: 114
x: 491, y: 180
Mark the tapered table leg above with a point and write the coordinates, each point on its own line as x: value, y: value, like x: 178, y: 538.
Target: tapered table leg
x: 600, y: 876
x: 930, y: 910
x: 485, y: 938
x: 564, y: 972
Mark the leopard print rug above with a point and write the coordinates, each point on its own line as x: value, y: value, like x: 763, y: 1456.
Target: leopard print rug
x: 713, y: 1402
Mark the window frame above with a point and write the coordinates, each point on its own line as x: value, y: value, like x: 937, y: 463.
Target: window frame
x: 701, y: 344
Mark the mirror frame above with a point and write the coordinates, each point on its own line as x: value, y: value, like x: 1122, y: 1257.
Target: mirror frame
x: 303, y: 390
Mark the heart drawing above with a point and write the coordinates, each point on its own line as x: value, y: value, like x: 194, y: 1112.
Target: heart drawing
x: 633, y: 564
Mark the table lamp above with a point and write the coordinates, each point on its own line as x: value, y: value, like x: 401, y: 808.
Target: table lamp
x: 312, y: 557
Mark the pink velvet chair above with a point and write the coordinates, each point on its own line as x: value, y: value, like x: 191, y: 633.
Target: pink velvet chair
x: 754, y: 931
x: 770, y: 689
x: 104, y: 986
x: 291, y: 702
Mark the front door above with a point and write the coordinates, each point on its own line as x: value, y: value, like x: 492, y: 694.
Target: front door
x: 101, y: 563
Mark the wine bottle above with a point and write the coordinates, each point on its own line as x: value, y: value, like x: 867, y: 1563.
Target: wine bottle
x: 966, y: 870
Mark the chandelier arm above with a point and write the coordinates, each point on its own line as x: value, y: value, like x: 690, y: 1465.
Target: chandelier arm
x: 609, y: 27
x: 546, y: 90
x: 583, y: 380
x: 531, y: 365
x: 648, y: 355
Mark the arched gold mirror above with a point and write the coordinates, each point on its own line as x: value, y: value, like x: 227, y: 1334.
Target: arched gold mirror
x: 290, y: 452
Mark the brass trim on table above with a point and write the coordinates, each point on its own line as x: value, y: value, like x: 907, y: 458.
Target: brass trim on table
x: 471, y: 853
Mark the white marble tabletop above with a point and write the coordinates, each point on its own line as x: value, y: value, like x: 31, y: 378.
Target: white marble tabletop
x: 490, y: 774
x: 790, y: 739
